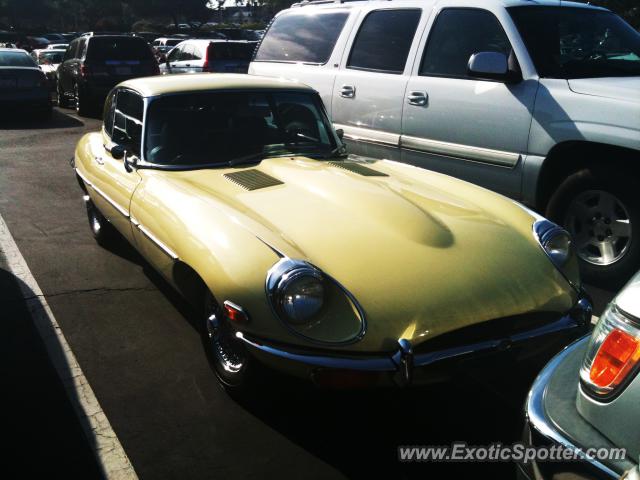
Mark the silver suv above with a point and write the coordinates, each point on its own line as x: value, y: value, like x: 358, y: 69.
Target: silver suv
x: 536, y: 100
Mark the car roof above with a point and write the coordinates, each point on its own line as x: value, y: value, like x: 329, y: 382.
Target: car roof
x: 172, y: 84
x: 328, y: 4
x: 13, y: 50
x: 215, y: 40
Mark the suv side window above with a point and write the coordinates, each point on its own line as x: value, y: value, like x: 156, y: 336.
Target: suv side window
x: 71, y: 50
x: 187, y: 53
x: 82, y: 48
x: 298, y: 36
x: 383, y: 41
x: 109, y: 109
x: 127, y: 124
x: 457, y: 34
x: 174, y: 55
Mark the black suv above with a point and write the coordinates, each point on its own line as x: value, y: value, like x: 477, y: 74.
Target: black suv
x: 93, y: 64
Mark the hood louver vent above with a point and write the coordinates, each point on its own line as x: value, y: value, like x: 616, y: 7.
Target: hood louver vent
x: 359, y: 168
x: 252, y: 179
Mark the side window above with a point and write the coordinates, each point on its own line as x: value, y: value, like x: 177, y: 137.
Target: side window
x: 80, y: 49
x: 127, y: 124
x: 383, y: 41
x: 197, y: 53
x: 109, y: 109
x: 68, y: 55
x: 457, y: 34
x: 187, y: 53
x: 174, y: 55
x: 297, y: 36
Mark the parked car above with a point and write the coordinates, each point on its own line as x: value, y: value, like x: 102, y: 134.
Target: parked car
x: 587, y: 397
x: 34, y: 43
x: 23, y: 86
x: 57, y: 46
x: 166, y: 42
x: 94, y: 64
x: 220, y: 56
x: 55, y: 37
x: 49, y: 60
x: 341, y: 271
x: 536, y: 100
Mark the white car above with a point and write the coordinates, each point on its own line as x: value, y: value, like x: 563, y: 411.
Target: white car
x: 537, y: 100
x: 586, y: 399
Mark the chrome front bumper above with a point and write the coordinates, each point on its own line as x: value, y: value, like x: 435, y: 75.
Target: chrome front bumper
x: 402, y: 365
x: 541, y: 431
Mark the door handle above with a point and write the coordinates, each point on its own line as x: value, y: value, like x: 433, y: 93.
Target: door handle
x: 348, y: 91
x: 188, y: 65
x: 418, y: 98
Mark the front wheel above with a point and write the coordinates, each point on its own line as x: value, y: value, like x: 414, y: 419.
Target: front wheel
x: 601, y: 211
x: 227, y: 355
x: 101, y: 229
x: 82, y: 106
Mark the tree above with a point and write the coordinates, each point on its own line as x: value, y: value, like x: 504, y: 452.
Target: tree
x: 174, y: 9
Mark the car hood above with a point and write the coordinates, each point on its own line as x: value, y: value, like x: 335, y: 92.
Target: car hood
x: 619, y: 88
x: 422, y: 253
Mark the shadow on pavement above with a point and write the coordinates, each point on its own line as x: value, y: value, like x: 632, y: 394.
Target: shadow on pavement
x: 26, y: 121
x: 42, y: 434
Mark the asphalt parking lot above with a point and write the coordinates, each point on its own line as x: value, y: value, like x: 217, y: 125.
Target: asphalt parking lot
x: 136, y: 343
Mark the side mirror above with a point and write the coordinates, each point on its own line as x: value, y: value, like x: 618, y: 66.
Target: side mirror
x: 118, y: 152
x: 340, y: 133
x: 130, y: 162
x: 490, y: 66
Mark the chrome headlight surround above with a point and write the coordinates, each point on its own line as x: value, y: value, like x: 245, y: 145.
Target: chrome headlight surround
x: 556, y: 243
x: 554, y: 240
x: 284, y: 275
x: 295, y: 290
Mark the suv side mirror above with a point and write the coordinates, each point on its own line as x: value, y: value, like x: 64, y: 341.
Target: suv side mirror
x: 490, y: 66
x: 340, y: 133
x: 118, y: 152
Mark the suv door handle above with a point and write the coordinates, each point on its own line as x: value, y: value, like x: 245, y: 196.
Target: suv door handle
x: 348, y: 91
x: 417, y: 98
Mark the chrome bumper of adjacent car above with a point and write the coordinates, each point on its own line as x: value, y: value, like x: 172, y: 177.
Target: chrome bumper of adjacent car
x: 546, y: 432
x: 403, y: 362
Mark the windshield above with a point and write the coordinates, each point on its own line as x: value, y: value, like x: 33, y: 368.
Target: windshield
x: 219, y: 127
x: 16, y: 59
x: 578, y: 42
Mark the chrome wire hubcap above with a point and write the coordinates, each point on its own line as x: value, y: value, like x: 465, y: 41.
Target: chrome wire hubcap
x: 600, y: 226
x: 228, y: 352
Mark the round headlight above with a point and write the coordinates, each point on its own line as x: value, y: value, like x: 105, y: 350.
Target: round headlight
x: 301, y: 295
x: 555, y: 241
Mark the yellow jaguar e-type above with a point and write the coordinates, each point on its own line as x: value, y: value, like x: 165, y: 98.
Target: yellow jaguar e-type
x: 346, y: 271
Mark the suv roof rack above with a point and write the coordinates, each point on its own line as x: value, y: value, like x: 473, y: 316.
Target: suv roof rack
x: 304, y: 3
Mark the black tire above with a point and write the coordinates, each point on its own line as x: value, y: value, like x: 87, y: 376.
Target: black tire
x: 103, y: 232
x: 228, y: 357
x: 580, y: 189
x: 83, y: 107
x: 63, y: 102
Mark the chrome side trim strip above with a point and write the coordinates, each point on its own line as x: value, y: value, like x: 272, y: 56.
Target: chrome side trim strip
x: 170, y: 253
x: 484, y: 155
x: 536, y: 415
x: 108, y: 199
x: 367, y: 135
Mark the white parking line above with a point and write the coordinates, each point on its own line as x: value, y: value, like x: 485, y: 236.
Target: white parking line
x: 103, y: 440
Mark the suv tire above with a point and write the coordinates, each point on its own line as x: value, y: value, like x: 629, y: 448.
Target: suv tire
x: 601, y: 209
